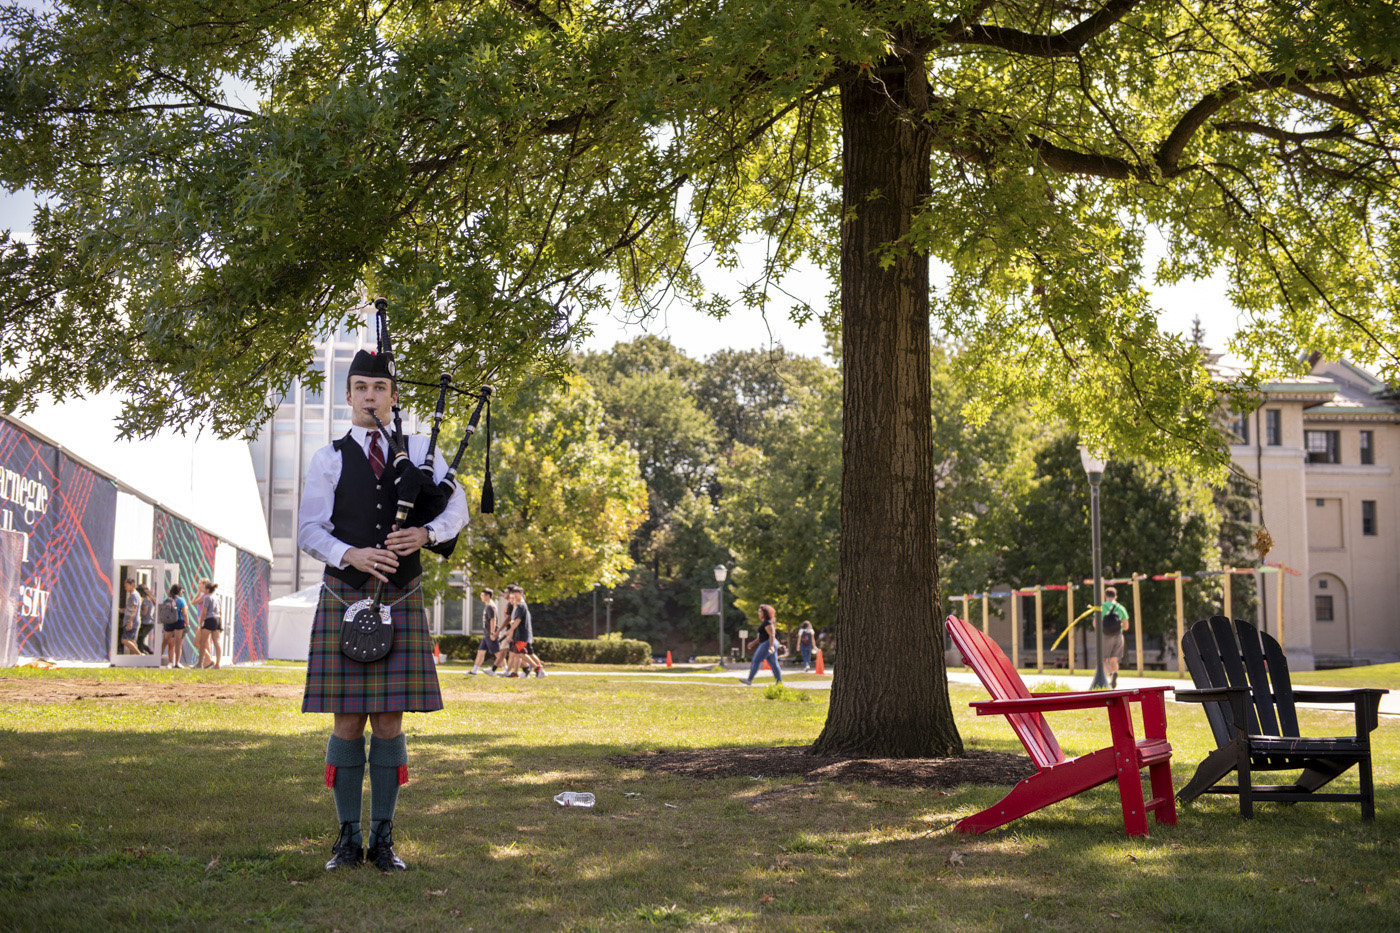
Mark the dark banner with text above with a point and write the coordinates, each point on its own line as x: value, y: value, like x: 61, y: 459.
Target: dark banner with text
x: 67, y: 514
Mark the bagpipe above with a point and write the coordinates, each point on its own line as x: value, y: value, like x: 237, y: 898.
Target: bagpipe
x: 367, y: 632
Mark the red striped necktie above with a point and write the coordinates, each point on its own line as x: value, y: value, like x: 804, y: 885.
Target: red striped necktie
x: 376, y: 455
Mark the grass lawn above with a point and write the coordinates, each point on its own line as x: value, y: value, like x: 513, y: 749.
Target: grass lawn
x: 131, y: 810
x: 1373, y: 675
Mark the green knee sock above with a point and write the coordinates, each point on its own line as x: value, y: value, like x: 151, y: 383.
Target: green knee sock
x: 386, y: 758
x: 347, y: 756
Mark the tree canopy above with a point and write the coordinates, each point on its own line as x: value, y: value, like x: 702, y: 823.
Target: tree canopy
x: 219, y: 190
x: 502, y: 169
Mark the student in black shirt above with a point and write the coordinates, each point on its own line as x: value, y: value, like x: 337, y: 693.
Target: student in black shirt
x: 489, y: 633
x: 522, y: 635
x: 767, y: 645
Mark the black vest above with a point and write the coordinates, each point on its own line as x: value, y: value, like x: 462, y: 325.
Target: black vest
x: 364, y: 511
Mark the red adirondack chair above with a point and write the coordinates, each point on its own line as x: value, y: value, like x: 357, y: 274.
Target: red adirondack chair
x: 1057, y: 777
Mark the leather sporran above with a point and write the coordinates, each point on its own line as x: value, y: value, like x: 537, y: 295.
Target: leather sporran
x: 367, y: 634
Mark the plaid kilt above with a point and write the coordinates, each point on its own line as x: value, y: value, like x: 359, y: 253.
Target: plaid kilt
x: 403, y: 680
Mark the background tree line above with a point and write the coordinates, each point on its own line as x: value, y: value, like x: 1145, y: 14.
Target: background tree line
x: 646, y: 468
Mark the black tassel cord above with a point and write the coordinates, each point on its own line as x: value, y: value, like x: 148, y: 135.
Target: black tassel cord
x: 488, y: 493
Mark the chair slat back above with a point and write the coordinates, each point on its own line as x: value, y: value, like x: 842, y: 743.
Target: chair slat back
x: 1259, y: 669
x: 1199, y: 652
x: 1002, y: 681
x: 1282, y: 684
x: 1232, y: 660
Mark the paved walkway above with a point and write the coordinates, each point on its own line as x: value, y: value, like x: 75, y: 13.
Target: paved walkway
x: 1390, y: 703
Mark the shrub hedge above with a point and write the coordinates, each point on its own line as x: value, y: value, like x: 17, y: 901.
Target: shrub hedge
x: 558, y: 650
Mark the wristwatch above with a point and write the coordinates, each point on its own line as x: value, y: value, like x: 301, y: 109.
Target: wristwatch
x: 432, y: 536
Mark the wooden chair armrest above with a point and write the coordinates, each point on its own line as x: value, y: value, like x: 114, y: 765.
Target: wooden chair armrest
x: 1344, y: 695
x: 1365, y: 700
x: 1210, y: 694
x: 1126, y: 691
x: 1050, y: 702
x: 1237, y: 697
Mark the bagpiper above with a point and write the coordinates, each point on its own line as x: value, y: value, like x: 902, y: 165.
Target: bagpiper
x: 371, y: 654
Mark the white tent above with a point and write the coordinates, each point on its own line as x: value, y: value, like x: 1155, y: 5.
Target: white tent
x: 198, y: 477
x: 289, y: 624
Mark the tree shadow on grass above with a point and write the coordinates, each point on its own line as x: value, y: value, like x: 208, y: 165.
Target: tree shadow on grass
x: 231, y: 827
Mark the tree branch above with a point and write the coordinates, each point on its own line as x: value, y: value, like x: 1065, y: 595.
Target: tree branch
x: 1170, y: 152
x: 1044, y: 46
x: 1259, y: 129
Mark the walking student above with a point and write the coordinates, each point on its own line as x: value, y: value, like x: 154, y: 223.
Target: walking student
x: 806, y: 643
x: 211, y: 627
x: 348, y: 505
x: 489, y: 644
x: 1115, y: 623
x: 765, y: 646
x: 131, y: 617
x: 522, y: 635
x: 172, y: 623
x: 148, y: 619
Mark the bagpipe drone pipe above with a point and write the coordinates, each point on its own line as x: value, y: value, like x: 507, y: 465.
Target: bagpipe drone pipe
x: 432, y: 497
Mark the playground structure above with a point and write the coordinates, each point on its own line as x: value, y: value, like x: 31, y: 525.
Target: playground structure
x: 1177, y: 578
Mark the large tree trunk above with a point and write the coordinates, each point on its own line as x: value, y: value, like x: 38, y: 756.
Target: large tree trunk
x: 890, y: 696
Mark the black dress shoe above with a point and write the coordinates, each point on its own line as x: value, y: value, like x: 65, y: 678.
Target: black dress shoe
x: 345, y: 854
x: 381, y: 849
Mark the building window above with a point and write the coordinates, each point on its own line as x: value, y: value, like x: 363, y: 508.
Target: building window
x: 1323, y: 446
x: 1368, y: 517
x: 1368, y: 447
x: 1273, y: 427
x: 1322, y: 608
x: 1239, y: 426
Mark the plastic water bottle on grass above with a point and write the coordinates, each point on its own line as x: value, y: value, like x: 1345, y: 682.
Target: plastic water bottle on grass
x: 574, y: 798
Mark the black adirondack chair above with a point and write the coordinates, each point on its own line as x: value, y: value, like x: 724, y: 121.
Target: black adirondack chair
x: 1242, y: 681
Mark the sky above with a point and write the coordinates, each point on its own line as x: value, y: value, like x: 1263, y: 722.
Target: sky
x: 699, y: 335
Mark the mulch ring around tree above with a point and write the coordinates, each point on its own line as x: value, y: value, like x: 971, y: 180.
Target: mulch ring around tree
x: 979, y: 767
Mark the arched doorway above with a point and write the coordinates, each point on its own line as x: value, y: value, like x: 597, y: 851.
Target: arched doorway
x: 1331, y: 628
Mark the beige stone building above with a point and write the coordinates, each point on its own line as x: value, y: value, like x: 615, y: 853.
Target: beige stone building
x: 1325, y: 449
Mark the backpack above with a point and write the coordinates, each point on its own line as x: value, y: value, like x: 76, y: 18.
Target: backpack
x: 1113, y: 621
x: 166, y: 613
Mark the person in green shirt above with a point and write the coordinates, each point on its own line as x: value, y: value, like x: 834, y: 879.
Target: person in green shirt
x: 1114, y: 619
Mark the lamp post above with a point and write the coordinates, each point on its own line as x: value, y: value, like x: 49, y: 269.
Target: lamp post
x: 1093, y: 466
x: 721, y: 574
x: 607, y: 603
x: 595, y: 612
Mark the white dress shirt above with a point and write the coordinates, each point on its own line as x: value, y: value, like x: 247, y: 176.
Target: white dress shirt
x: 318, y: 497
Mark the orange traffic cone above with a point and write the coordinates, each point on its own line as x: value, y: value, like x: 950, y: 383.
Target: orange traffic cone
x: 668, y: 659
x: 437, y: 654
x: 821, y: 664
x: 766, y: 666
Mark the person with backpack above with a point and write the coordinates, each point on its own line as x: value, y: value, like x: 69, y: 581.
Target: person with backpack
x: 171, y: 615
x: 806, y: 643
x: 1114, y: 618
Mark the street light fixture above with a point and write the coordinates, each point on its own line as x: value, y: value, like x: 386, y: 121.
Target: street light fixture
x: 721, y: 574
x: 1094, y: 466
